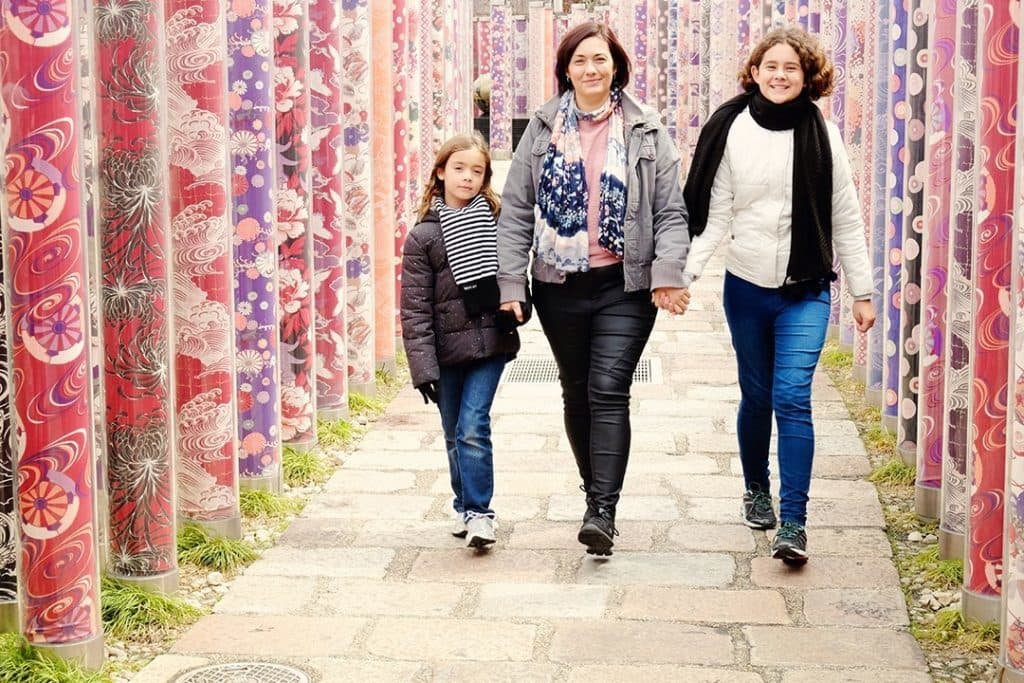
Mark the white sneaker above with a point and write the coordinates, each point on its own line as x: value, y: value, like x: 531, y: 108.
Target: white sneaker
x: 480, y: 530
x: 459, y: 526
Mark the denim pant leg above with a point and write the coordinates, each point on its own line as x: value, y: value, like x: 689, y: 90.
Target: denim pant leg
x: 799, y: 336
x: 449, y: 400
x: 472, y: 435
x: 750, y: 311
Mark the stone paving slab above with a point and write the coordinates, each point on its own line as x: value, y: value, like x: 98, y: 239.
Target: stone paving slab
x: 548, y: 535
x: 664, y: 672
x: 550, y: 601
x: 660, y: 568
x: 630, y: 508
x: 490, y: 567
x: 709, y: 606
x: 451, y: 639
x: 824, y: 571
x: 277, y: 636
x: 855, y: 676
x: 496, y: 672
x: 617, y: 642
x: 856, y: 607
x: 776, y: 646
x: 343, y: 597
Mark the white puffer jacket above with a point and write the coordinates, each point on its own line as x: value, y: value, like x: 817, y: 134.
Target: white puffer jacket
x: 752, y: 199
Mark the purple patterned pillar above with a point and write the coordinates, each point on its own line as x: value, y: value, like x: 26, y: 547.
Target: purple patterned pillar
x: 520, y: 72
x: 537, y: 57
x: 640, y: 52
x: 501, y: 82
x: 835, y: 42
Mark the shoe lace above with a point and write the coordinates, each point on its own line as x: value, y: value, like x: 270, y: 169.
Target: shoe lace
x: 762, y: 501
x: 606, y: 514
x: 473, y: 514
x: 789, y: 531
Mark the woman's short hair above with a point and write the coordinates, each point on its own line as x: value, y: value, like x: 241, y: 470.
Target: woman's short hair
x: 576, y: 35
x: 818, y: 73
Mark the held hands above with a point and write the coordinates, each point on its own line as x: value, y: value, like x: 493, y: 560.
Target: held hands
x: 429, y: 391
x: 864, y: 315
x: 675, y: 300
x: 515, y: 308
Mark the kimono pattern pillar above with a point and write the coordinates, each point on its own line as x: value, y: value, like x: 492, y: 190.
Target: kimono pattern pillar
x: 8, y: 520
x: 501, y: 83
x: 45, y: 280
x: 292, y: 228
x: 537, y: 58
x: 835, y: 43
x: 253, y: 162
x: 959, y: 315
x: 201, y: 247
x: 383, y: 159
x: 934, y: 261
x: 993, y: 229
x: 356, y: 179
x: 403, y: 202
x: 327, y: 216
x: 134, y: 234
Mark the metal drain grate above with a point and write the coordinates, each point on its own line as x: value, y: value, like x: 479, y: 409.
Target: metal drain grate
x: 244, y: 672
x: 543, y: 370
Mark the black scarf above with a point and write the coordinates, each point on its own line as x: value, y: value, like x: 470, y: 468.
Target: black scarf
x: 810, y: 252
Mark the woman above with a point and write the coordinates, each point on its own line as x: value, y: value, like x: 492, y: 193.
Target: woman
x: 786, y: 208
x: 609, y: 243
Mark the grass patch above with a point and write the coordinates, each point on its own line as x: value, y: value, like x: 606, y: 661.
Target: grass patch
x: 879, y: 440
x: 894, y: 472
x: 260, y: 503
x: 834, y: 358
x: 942, y: 574
x: 22, y: 663
x: 359, y: 404
x: 336, y: 433
x: 130, y: 611
x: 196, y: 546
x: 967, y: 636
x: 304, y: 467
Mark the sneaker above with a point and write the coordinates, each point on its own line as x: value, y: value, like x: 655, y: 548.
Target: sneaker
x: 598, y: 532
x: 459, y: 525
x: 757, y: 509
x: 790, y: 544
x: 479, y: 530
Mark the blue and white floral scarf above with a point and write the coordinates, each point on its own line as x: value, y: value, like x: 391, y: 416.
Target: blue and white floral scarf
x: 562, y: 193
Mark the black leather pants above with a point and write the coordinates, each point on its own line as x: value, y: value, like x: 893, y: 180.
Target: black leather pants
x: 597, y: 332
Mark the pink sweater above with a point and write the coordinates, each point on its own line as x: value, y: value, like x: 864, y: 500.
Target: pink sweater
x: 594, y: 144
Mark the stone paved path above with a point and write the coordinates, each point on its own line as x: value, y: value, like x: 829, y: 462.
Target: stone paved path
x: 368, y: 585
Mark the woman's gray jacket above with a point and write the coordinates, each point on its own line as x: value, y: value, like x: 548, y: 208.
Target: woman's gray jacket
x: 656, y: 239
x: 435, y: 327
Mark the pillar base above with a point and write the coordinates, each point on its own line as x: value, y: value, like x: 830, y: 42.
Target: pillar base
x: 892, y: 425
x: 984, y: 608
x: 1008, y: 675
x: 88, y: 653
x: 304, y: 447
x: 220, y: 528
x: 908, y: 455
x: 165, y: 584
x: 860, y: 373
x: 833, y: 332
x: 369, y: 389
x: 927, y: 502
x: 333, y: 414
x: 951, y: 545
x: 873, y: 397
x: 270, y: 483
x: 9, y: 619
x: 388, y: 365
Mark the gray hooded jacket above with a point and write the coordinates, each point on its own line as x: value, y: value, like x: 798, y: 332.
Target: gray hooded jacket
x: 656, y: 240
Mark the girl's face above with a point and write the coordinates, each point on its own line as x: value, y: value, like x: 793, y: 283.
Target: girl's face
x: 463, y: 176
x: 591, y: 71
x: 779, y: 76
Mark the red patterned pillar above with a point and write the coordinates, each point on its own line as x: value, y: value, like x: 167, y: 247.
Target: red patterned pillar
x: 383, y: 172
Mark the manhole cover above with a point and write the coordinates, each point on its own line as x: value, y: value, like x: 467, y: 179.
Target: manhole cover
x: 244, y: 672
x: 542, y: 369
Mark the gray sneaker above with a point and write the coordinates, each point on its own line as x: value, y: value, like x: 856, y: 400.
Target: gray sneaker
x: 480, y: 530
x: 459, y: 525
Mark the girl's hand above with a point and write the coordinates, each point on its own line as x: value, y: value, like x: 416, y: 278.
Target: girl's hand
x: 675, y: 300
x: 864, y: 315
x: 515, y: 308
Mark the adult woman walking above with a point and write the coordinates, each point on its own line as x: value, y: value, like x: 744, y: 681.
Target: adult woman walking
x: 609, y: 242
x: 770, y: 171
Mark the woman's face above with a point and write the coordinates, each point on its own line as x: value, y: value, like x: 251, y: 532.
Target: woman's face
x: 779, y: 76
x: 463, y: 176
x: 591, y: 70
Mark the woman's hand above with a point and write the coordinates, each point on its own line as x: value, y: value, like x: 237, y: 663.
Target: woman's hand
x: 675, y: 300
x: 514, y: 307
x: 864, y: 315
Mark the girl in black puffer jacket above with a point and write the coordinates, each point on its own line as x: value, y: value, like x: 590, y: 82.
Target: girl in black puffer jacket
x: 456, y: 339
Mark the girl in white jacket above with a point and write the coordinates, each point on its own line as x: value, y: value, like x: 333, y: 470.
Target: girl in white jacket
x: 772, y: 173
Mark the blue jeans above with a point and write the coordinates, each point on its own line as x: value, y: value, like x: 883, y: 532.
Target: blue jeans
x: 778, y: 341
x: 465, y: 394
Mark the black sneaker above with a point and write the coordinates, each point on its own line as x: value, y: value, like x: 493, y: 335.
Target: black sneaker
x: 757, y: 509
x: 790, y: 544
x: 598, y: 532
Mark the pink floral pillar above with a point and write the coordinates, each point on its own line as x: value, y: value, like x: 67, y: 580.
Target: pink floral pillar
x: 400, y: 141
x: 201, y: 248
x: 383, y: 170
x: 359, y: 241
x: 537, y: 58
x: 134, y: 234
x: 327, y: 217
x: 501, y: 81
x: 44, y: 286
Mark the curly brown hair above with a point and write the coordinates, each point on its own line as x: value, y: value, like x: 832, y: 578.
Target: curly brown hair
x: 818, y: 72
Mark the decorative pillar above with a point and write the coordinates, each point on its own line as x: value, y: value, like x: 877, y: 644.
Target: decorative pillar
x: 201, y: 246
x: 414, y: 177
x: 550, y: 87
x: 915, y: 177
x: 400, y: 142
x: 959, y: 315
x: 537, y: 61
x: 327, y: 217
x: 8, y: 526
x: 639, y: 48
x: 45, y: 276
x: 520, y: 73
x: 253, y: 161
x: 383, y: 169
x: 501, y: 82
x: 993, y: 229
x: 704, y: 79
x: 835, y: 43
x: 134, y: 233
x: 935, y: 261
x: 357, y: 183
x: 482, y: 45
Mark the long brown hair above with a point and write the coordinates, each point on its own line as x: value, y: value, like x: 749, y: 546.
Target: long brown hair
x: 818, y: 73
x: 572, y: 39
x: 435, y: 186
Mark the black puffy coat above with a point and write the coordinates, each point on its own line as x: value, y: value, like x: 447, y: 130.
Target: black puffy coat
x: 436, y: 330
